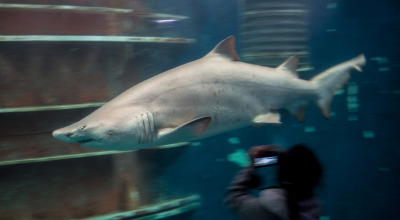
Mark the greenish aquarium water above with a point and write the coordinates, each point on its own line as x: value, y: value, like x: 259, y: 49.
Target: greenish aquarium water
x: 146, y: 109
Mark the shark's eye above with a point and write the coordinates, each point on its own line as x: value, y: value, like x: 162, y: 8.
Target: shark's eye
x: 81, y: 128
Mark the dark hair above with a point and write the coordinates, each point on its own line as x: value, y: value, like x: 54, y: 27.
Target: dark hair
x: 299, y: 171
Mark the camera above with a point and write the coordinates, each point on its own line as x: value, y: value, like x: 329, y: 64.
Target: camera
x: 265, y: 161
x: 266, y: 170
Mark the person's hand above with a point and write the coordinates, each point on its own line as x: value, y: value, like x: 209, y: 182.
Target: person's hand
x: 263, y: 151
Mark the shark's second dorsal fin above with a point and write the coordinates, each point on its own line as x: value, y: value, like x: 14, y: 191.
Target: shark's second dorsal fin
x: 226, y: 49
x: 290, y: 66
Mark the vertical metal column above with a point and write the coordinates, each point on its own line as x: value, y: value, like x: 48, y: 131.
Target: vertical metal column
x: 273, y: 30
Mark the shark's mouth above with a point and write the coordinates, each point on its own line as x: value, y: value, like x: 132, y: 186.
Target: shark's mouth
x: 85, y: 141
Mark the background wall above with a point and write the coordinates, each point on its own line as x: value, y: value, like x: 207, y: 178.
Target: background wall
x: 359, y: 149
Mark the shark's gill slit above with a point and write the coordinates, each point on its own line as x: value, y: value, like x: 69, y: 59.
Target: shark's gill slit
x: 144, y: 130
x: 155, y: 134
x: 150, y: 116
x: 152, y: 127
x: 140, y: 130
x: 148, y: 127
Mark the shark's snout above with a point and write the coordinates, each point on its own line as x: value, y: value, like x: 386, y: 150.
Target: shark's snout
x: 70, y: 135
x: 62, y: 135
x: 73, y: 134
x: 66, y: 136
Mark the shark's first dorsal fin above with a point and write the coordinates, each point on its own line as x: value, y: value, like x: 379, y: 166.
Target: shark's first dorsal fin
x: 226, y: 49
x: 290, y: 66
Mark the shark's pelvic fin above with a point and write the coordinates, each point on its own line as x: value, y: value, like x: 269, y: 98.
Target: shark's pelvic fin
x: 290, y: 66
x: 190, y: 129
x: 298, y: 110
x: 333, y: 79
x: 272, y: 117
x: 226, y: 49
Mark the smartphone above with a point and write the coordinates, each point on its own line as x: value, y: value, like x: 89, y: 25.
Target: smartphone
x: 266, y: 171
x: 265, y: 161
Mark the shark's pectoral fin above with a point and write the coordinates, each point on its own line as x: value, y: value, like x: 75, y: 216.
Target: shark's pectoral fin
x: 272, y: 117
x: 190, y: 129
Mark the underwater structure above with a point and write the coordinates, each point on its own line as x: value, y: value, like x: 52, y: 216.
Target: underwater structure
x: 273, y: 30
x: 59, y: 62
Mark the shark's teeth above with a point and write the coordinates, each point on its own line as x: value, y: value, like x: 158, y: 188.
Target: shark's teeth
x: 85, y: 141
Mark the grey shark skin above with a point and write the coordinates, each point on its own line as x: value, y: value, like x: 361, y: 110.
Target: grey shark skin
x: 206, y: 97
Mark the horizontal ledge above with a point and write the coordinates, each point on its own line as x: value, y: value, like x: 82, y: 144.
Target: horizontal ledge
x: 275, y: 54
x: 63, y: 157
x: 92, y: 154
x: 158, y: 211
x: 51, y: 107
x: 159, y: 16
x: 274, y: 12
x: 273, y: 39
x: 86, y: 9
x: 271, y: 60
x: 274, y: 31
x: 66, y: 7
x: 275, y: 5
x: 273, y: 23
x: 138, y: 39
x: 168, y: 213
x: 256, y: 48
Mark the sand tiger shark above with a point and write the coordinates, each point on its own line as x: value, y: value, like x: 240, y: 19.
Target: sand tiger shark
x: 206, y: 97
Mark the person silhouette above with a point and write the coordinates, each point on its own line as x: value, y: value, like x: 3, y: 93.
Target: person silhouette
x: 298, y: 173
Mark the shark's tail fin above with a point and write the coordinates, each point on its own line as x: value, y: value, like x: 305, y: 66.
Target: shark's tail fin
x: 333, y: 79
